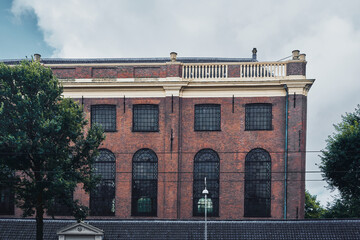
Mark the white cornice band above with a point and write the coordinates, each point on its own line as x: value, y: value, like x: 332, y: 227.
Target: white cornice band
x: 154, y: 87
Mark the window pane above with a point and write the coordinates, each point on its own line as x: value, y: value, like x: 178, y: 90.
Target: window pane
x: 258, y: 116
x: 145, y: 118
x: 105, y: 116
x: 257, y: 184
x: 60, y: 208
x: 206, y: 164
x: 102, y: 199
x: 207, y: 117
x: 6, y: 201
x: 144, y: 183
x: 201, y: 206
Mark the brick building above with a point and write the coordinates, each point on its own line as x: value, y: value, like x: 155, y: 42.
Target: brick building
x: 170, y: 122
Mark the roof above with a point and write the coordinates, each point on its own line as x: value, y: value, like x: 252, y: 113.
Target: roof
x: 176, y: 229
x: 130, y: 60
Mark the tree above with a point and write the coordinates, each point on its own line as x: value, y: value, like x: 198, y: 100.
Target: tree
x: 341, y: 161
x: 45, y: 149
x: 313, y: 208
x: 343, y: 208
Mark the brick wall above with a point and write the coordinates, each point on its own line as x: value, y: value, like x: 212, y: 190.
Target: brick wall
x: 156, y: 71
x: 232, y: 143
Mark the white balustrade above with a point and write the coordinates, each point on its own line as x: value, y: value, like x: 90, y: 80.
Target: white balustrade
x: 262, y: 70
x: 247, y: 70
x: 203, y: 71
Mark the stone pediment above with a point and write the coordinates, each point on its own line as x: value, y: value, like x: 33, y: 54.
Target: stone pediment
x: 79, y: 230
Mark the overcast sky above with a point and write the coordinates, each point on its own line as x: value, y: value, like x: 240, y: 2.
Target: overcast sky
x: 328, y: 32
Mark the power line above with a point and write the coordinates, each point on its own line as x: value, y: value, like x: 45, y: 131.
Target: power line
x: 182, y: 152
x: 221, y: 181
x: 221, y: 172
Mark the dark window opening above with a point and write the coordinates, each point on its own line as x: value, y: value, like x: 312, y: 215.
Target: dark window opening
x: 207, y: 117
x: 257, y: 184
x: 144, y: 183
x: 206, y: 164
x: 145, y: 118
x: 61, y: 206
x: 6, y: 201
x: 258, y: 116
x: 105, y: 116
x: 102, y: 199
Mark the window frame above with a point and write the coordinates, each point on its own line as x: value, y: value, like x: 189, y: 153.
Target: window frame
x: 257, y: 159
x: 143, y: 159
x: 95, y: 198
x: 60, y: 208
x: 8, y: 195
x: 156, y: 127
x: 213, y: 184
x: 265, y: 120
x: 197, y: 118
x: 113, y: 108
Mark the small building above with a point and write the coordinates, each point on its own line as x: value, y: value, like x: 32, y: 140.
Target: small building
x: 25, y: 229
x: 171, y: 122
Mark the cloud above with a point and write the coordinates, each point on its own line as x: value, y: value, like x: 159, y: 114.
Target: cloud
x: 327, y: 31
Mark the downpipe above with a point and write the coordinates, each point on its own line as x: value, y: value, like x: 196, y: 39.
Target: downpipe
x: 286, y: 148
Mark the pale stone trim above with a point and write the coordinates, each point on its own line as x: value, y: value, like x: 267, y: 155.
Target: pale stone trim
x: 135, y: 88
x: 81, y: 230
x: 114, y: 92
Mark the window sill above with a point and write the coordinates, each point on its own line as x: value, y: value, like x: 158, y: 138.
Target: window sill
x: 207, y: 130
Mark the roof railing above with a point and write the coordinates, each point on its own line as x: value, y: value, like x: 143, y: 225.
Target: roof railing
x: 247, y: 70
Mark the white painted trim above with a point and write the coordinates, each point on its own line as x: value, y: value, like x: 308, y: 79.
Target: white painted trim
x: 236, y: 92
x: 115, y: 93
x: 151, y: 88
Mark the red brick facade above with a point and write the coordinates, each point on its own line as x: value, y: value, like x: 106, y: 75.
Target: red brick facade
x: 232, y: 144
x: 176, y: 143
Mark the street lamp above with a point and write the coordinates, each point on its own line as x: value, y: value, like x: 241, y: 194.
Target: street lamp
x: 205, y: 192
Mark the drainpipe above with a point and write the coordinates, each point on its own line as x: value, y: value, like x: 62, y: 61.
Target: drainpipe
x: 178, y: 204
x: 286, y: 148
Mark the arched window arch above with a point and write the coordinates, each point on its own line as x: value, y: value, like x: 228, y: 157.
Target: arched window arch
x: 144, y: 183
x: 206, y: 164
x: 102, y: 199
x: 257, y: 202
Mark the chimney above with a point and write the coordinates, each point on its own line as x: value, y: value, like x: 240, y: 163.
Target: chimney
x: 37, y: 57
x: 254, y: 51
x: 173, y: 56
x: 302, y: 57
x: 295, y: 54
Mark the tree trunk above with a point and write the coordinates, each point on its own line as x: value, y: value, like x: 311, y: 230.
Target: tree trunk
x: 39, y: 222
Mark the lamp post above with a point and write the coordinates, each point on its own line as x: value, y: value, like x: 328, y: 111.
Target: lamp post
x: 205, y: 192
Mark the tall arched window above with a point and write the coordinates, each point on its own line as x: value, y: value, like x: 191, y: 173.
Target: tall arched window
x: 257, y: 183
x: 206, y: 164
x: 102, y: 199
x: 144, y: 183
x: 6, y: 200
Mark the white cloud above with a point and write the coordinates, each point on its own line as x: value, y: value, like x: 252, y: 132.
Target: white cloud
x: 327, y: 31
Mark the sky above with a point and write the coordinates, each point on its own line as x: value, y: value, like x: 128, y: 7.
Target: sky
x: 327, y: 31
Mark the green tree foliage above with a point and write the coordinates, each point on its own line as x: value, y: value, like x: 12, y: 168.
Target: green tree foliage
x: 341, y: 162
x: 45, y: 150
x: 313, y: 208
x: 343, y: 208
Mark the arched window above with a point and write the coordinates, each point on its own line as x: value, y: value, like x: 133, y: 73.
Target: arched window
x: 6, y: 200
x: 257, y: 184
x: 144, y: 183
x: 102, y: 199
x: 206, y: 164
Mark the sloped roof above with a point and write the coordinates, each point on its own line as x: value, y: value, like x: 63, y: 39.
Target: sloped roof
x: 129, y: 60
x: 156, y: 229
